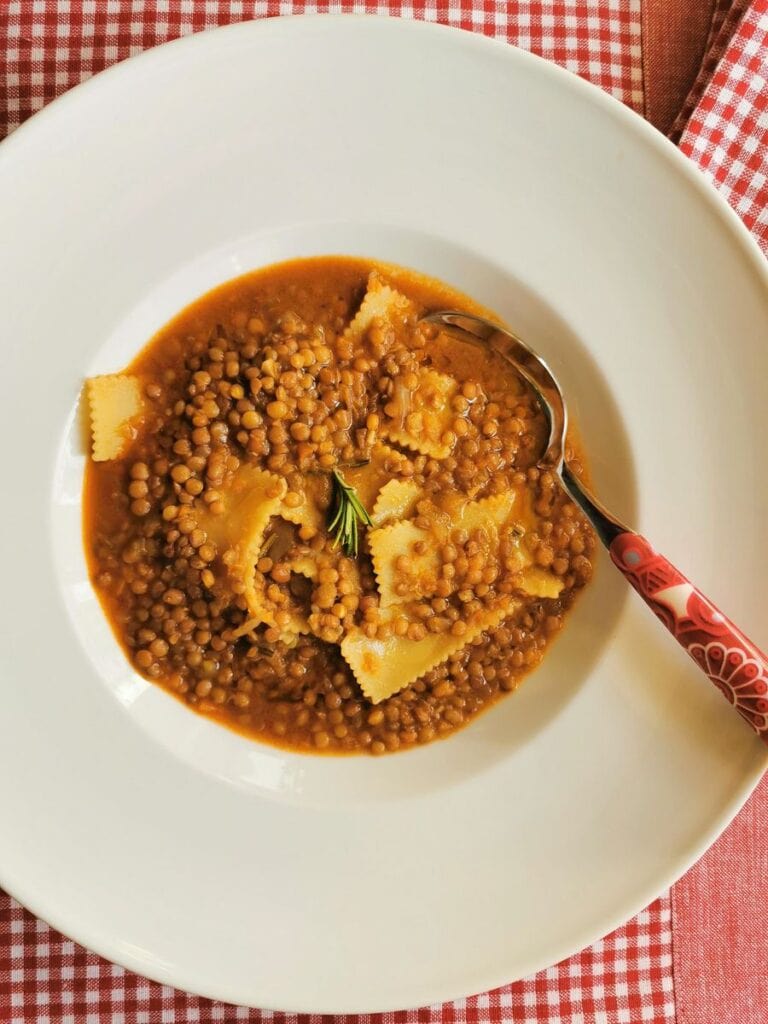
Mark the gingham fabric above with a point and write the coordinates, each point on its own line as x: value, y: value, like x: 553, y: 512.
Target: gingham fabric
x: 624, y: 979
x: 47, y: 46
x: 726, y: 16
x: 727, y: 134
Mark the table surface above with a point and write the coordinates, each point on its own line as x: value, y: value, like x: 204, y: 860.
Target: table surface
x: 691, y: 956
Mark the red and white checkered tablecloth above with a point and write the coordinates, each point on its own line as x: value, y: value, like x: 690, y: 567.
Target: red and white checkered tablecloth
x: 626, y: 978
x: 46, y: 47
x: 727, y: 133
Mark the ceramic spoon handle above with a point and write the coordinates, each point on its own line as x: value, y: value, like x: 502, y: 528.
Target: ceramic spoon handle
x: 735, y: 665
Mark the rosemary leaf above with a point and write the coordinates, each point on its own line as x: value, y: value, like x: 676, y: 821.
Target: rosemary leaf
x: 347, y: 512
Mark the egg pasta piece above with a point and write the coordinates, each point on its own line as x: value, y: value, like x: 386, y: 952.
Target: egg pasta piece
x: 487, y: 513
x: 290, y: 620
x: 383, y: 667
x: 381, y: 302
x: 536, y: 582
x: 396, y: 500
x: 390, y: 542
x: 304, y: 565
x: 369, y: 479
x: 265, y: 611
x: 308, y: 514
x: 114, y: 404
x: 299, y: 619
x: 428, y: 417
x: 250, y: 497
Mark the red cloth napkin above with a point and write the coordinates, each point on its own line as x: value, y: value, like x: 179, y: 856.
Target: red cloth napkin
x: 714, y: 917
x: 719, y: 907
x: 719, y: 912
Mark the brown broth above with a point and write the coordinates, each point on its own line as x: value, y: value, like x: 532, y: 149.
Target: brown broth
x: 210, y: 399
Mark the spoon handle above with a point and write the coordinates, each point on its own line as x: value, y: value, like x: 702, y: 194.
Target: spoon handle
x: 735, y: 665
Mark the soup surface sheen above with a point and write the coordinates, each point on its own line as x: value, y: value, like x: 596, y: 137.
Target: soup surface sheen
x: 208, y: 520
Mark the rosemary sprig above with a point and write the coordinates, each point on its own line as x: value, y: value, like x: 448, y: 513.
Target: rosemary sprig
x: 347, y: 512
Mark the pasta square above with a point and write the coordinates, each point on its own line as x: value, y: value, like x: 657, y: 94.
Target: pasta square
x: 425, y: 425
x: 383, y: 667
x: 389, y: 544
x: 537, y: 582
x: 115, y: 404
x: 381, y: 302
x: 308, y: 514
x: 250, y: 498
x: 368, y: 480
x: 396, y: 500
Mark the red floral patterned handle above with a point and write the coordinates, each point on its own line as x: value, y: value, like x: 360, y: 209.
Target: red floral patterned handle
x: 735, y: 665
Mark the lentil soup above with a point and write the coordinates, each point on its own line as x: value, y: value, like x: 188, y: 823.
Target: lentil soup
x: 319, y: 521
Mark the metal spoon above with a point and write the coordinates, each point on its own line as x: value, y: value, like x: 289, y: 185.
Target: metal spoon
x: 727, y: 657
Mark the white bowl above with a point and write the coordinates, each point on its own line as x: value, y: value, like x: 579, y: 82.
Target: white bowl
x: 242, y: 872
